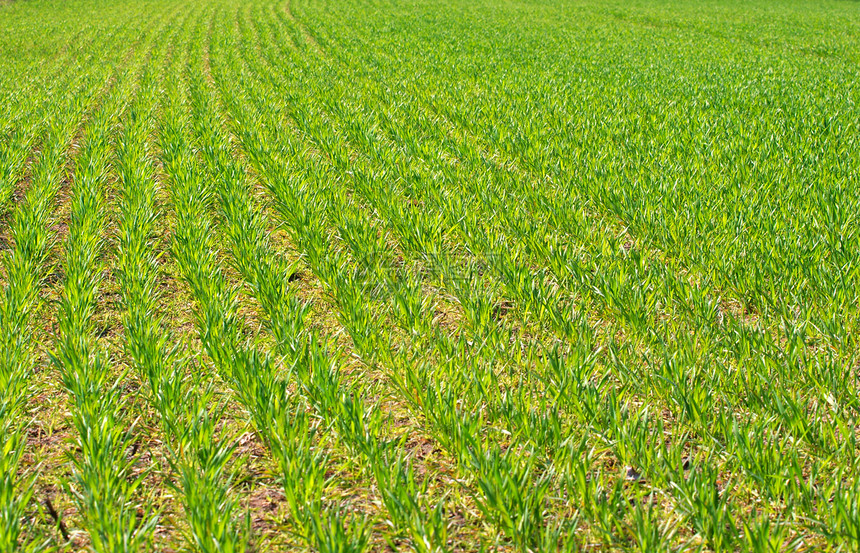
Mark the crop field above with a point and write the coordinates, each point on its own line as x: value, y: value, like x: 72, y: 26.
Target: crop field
x: 429, y: 275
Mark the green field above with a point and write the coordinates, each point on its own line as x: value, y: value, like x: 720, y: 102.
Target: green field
x: 429, y: 275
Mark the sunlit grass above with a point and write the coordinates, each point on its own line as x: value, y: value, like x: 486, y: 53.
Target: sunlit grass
x: 492, y: 276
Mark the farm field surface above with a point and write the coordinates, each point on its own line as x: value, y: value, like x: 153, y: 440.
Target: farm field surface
x: 429, y: 275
